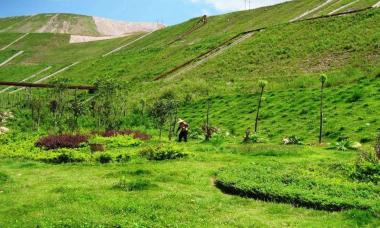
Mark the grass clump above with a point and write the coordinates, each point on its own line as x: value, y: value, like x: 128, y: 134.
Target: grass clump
x: 117, y: 141
x: 63, y: 158
x: 3, y: 178
x: 367, y: 168
x: 129, y: 186
x: 320, y: 186
x: 104, y: 158
x: 160, y: 153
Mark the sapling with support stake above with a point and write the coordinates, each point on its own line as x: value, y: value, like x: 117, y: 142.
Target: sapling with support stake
x: 262, y: 85
x: 323, y: 80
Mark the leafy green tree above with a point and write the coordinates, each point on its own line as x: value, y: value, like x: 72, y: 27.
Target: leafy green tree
x: 76, y: 109
x: 262, y: 85
x: 107, y: 101
x: 58, y: 103
x: 323, y: 81
x: 164, y: 110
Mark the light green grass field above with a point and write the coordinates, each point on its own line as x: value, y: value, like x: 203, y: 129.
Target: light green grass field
x: 168, y: 193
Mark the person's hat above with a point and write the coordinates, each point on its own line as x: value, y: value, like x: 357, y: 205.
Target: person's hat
x: 180, y: 120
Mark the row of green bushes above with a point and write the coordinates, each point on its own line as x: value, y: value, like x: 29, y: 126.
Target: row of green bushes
x: 324, y: 186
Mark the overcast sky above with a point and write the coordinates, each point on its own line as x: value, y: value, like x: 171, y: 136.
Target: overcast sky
x: 165, y: 11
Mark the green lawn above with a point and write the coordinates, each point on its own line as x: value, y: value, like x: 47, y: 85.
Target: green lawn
x: 167, y: 193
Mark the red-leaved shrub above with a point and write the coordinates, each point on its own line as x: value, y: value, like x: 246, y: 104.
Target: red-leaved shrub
x: 52, y: 142
x: 136, y: 134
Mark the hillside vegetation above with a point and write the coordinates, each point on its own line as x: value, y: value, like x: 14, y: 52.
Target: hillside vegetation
x: 250, y: 84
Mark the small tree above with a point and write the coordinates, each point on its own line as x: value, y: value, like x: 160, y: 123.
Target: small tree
x: 323, y: 80
x: 57, y: 104
x: 107, y: 102
x: 377, y: 146
x: 207, y: 128
x: 262, y: 85
x: 164, y: 110
x: 36, y: 108
x: 77, y: 110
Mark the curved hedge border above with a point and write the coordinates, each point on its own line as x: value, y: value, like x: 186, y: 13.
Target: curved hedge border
x: 300, y: 186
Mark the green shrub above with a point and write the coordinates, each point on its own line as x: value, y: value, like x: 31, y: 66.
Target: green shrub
x: 62, y: 158
x: 356, y: 96
x: 138, y: 185
x: 116, y: 141
x: 257, y: 138
x: 292, y: 140
x: 343, y: 145
x: 317, y: 186
x: 104, y: 158
x: 122, y: 158
x: 3, y: 178
x: 160, y: 153
x: 367, y: 168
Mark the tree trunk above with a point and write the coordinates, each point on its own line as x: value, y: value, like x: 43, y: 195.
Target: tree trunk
x: 208, y: 133
x: 161, y: 132
x: 321, y: 116
x: 258, y: 110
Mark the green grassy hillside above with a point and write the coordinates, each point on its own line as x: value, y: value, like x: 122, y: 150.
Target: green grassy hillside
x: 83, y: 159
x: 60, y: 23
x: 289, y: 55
x: 42, y: 50
x: 290, y: 58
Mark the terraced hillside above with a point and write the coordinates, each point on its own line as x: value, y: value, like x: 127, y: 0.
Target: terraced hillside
x: 282, y: 53
x: 107, y: 156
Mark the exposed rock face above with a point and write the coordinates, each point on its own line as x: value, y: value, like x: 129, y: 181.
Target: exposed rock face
x: 107, y: 27
x: 4, y: 116
x: 82, y: 39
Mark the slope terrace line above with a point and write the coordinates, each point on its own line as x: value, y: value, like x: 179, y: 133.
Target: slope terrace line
x: 49, y: 76
x: 343, y: 7
x: 15, y: 41
x: 221, y: 47
x: 28, y: 78
x: 204, y: 58
x: 236, y: 40
x: 311, y: 11
x: 11, y: 58
x: 126, y: 45
x: 199, y: 24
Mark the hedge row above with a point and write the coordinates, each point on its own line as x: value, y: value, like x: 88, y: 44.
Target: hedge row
x: 302, y: 186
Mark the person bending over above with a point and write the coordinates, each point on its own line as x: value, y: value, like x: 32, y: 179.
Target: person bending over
x: 183, y: 130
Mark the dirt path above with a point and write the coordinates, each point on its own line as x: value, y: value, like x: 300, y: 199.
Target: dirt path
x: 311, y: 11
x: 199, y: 24
x: 26, y: 79
x: 12, y: 57
x: 376, y: 5
x: 343, y: 7
x: 15, y: 41
x: 126, y: 45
